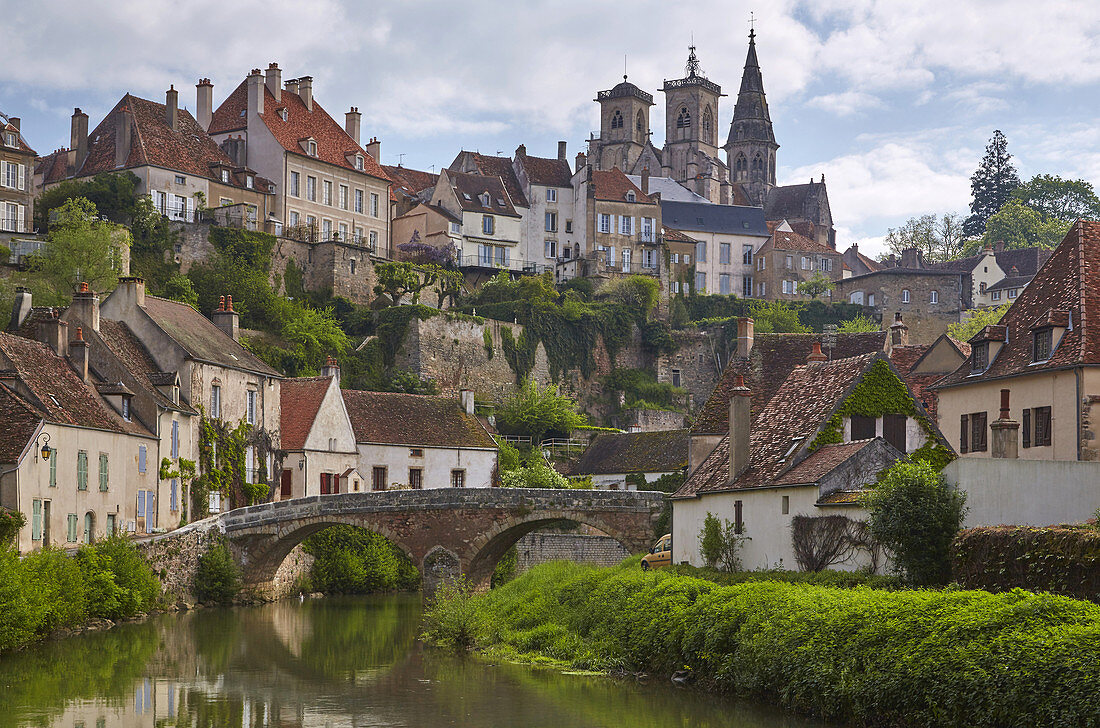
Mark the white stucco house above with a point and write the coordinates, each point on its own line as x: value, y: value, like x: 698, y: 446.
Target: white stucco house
x: 619, y: 460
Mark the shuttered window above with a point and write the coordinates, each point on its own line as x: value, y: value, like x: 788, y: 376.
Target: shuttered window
x: 978, y: 432
x: 1027, y: 428
x: 73, y: 523
x: 82, y: 470
x: 36, y: 520
x: 103, y: 475
x: 175, y: 439
x: 53, y: 468
x: 378, y: 478
x: 964, y: 434
x: 141, y: 458
x: 1042, y: 426
x: 173, y: 498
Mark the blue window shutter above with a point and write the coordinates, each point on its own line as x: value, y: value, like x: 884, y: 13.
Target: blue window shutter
x: 175, y: 439
x: 174, y: 496
x: 141, y: 504
x: 141, y: 458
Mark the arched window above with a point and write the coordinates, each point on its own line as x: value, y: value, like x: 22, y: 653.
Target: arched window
x: 708, y: 126
x: 639, y: 123
x: 757, y: 163
x: 740, y: 166
x: 617, y: 120
x: 683, y: 121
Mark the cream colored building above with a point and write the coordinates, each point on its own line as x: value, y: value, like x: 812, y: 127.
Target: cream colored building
x: 622, y: 224
x: 728, y: 238
x: 321, y: 455
x: 491, y: 227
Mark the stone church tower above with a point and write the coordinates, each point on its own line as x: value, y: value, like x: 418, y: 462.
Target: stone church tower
x: 750, y: 148
x: 624, y: 130
x: 691, y: 133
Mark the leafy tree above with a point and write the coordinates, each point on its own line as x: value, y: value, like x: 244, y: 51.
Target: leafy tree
x: 448, y: 284
x: 678, y: 316
x: 217, y: 578
x: 776, y: 317
x: 937, y: 238
x: 817, y: 285
x: 398, y: 279
x: 1055, y: 198
x: 81, y: 248
x: 916, y: 515
x: 114, y: 195
x: 534, y: 411
x: 859, y: 324
x: 991, y: 184
x: 639, y: 292
x: 978, y: 320
x: 179, y: 288
x: 719, y: 544
x: 1020, y: 226
x: 536, y: 474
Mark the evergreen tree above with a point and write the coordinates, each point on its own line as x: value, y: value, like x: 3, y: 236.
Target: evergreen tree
x: 991, y: 184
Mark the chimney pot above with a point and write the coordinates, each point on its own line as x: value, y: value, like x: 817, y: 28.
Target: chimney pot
x: 582, y: 161
x: 226, y: 319
x: 305, y: 90
x: 352, y: 122
x: 816, y: 355
x: 745, y: 336
x: 374, y: 148
x: 562, y: 155
x: 85, y: 307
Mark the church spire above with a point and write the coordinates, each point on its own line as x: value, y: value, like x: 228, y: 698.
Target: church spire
x: 751, y: 119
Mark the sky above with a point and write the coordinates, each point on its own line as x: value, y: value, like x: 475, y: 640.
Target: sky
x: 892, y: 101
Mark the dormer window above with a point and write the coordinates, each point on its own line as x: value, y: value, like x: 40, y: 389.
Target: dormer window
x: 359, y: 161
x: 979, y: 356
x: 225, y: 176
x: 1042, y: 345
x: 9, y: 139
x: 795, y: 442
x: 311, y: 148
x: 630, y: 197
x: 485, y: 200
x: 283, y: 114
x: 249, y: 181
x: 126, y: 408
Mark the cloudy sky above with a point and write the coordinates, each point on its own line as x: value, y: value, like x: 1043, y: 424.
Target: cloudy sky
x: 892, y: 101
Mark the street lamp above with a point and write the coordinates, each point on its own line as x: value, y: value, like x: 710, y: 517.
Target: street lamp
x: 45, y: 449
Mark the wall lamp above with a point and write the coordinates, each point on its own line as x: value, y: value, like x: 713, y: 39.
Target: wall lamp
x: 44, y: 450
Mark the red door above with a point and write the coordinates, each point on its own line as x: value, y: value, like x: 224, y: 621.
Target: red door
x: 326, y: 483
x: 284, y: 486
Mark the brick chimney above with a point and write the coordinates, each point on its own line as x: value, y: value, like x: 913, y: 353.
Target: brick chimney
x: 255, y: 93
x: 466, y: 400
x: 54, y: 333
x: 352, y: 121
x: 204, y: 102
x: 521, y: 151
x: 172, y: 108
x: 226, y: 319
x: 817, y: 355
x: 582, y: 161
x: 78, y: 354
x: 374, y: 148
x: 85, y: 306
x: 305, y: 91
x: 645, y: 180
x: 1005, y: 432
x: 745, y: 329
x: 739, y: 428
x: 131, y: 290
x: 331, y: 369
x: 273, y: 79
x: 78, y: 141
x: 14, y: 121
x: 20, y: 308
x: 899, y: 332
x: 123, y: 136
x: 562, y: 154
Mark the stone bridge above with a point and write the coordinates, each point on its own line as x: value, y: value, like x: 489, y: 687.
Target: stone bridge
x: 445, y: 531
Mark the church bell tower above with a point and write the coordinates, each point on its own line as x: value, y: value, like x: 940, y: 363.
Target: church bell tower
x: 751, y: 148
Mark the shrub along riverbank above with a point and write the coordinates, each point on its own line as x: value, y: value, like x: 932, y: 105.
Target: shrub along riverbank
x: 870, y: 657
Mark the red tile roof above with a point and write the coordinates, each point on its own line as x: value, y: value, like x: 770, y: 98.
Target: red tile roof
x: 18, y: 423
x: 131, y: 353
x: 299, y: 401
x: 333, y: 142
x: 662, y: 451
x: 544, y: 171
x: 415, y: 420
x: 1068, y: 282
x: 612, y: 185
x: 783, y: 240
x: 20, y: 142
x: 410, y: 181
x: 821, y: 462
x: 54, y: 167
x: 501, y: 167
x: 678, y: 236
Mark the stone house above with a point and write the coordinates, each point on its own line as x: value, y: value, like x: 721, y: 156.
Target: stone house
x: 503, y: 169
x: 806, y: 452
x: 491, y: 226
x: 858, y: 263
x: 429, y: 224
x: 787, y: 259
x: 728, y: 236
x: 997, y: 275
x: 177, y: 164
x: 320, y: 455
x: 421, y: 441
x: 621, y: 224
x: 410, y: 187
x: 618, y: 461
x: 331, y: 187
x: 549, y: 235
x: 681, y: 249
x: 16, y: 178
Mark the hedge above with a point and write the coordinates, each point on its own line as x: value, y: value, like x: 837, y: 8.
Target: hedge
x: 863, y: 656
x: 1059, y: 559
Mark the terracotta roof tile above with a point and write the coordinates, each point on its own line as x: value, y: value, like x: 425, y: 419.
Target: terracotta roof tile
x: 415, y: 420
x: 782, y: 240
x: 544, y: 171
x: 20, y: 142
x: 410, y: 181
x: 678, y: 236
x: 18, y: 423
x: 129, y: 350
x: 612, y: 185
x: 469, y: 189
x: 821, y: 462
x: 299, y: 401
x: 634, y: 452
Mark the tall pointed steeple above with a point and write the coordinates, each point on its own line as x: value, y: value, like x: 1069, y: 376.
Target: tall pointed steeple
x: 751, y: 147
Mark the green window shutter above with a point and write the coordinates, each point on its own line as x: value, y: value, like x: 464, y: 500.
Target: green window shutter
x: 53, y: 468
x: 36, y: 520
x: 82, y: 470
x: 103, y: 471
x: 71, y: 535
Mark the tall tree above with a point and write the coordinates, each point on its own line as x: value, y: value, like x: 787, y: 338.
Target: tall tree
x: 1019, y: 226
x: 938, y: 238
x: 991, y: 184
x: 1059, y: 199
x: 81, y: 248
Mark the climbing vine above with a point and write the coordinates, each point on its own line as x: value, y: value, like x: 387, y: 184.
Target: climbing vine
x: 519, y: 353
x: 222, y: 467
x: 487, y: 339
x: 185, y: 473
x: 880, y: 393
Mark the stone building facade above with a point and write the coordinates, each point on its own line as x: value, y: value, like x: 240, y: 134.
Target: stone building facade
x: 929, y: 300
x: 16, y: 178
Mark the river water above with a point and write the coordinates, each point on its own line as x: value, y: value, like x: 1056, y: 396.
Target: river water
x: 326, y: 662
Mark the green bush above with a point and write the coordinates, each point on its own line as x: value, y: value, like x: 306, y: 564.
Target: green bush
x: 862, y: 656
x: 454, y: 617
x: 719, y: 544
x: 10, y: 524
x: 350, y: 560
x: 505, y: 570
x: 1063, y: 560
x: 119, y: 582
x: 21, y: 607
x: 836, y: 579
x: 59, y: 586
x: 217, y: 578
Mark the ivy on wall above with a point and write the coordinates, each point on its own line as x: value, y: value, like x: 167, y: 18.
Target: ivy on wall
x: 879, y: 393
x: 222, y: 465
x: 185, y: 473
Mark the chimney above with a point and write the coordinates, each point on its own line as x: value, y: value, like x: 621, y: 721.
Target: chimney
x: 78, y: 141
x: 1005, y: 430
x: 910, y: 258
x: 204, y: 102
x: 20, y: 309
x: 582, y: 161
x: 740, y: 425
x: 78, y: 354
x: 1014, y: 271
x: 724, y: 193
x: 273, y: 78
x: 305, y: 90
x: 14, y: 121
x: 645, y: 180
x: 351, y: 123
x: 226, y: 319
x: 255, y: 93
x: 85, y: 306
x: 466, y: 399
x: 899, y: 332
x: 816, y: 356
x: 172, y: 108
x: 374, y: 148
x: 123, y: 136
x: 131, y: 289
x: 54, y: 333
x: 521, y: 150
x: 331, y: 369
x: 745, y: 328
x: 292, y: 86
x: 562, y: 156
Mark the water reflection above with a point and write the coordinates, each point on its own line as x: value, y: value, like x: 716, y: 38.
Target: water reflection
x: 336, y: 662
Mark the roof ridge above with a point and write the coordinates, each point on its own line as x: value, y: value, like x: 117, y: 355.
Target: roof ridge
x: 1082, y: 271
x: 137, y: 130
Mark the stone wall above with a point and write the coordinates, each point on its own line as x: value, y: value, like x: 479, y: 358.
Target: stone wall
x: 539, y: 548
x: 649, y: 420
x: 696, y: 358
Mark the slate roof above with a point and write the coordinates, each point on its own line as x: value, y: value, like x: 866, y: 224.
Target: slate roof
x: 773, y: 357
x: 799, y: 408
x: 791, y: 201
x: 201, y: 339
x: 416, y: 420
x: 490, y: 166
x: 612, y: 186
x: 410, y: 181
x: 333, y: 142
x: 711, y: 218
x: 18, y: 423
x: 1010, y: 282
x: 783, y: 240
x: 545, y: 171
x: 610, y: 453
x: 1068, y: 282
x: 669, y: 189
x: 469, y: 188
x: 1026, y: 260
x: 299, y: 401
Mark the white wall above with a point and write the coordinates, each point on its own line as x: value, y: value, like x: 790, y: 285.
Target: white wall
x: 1026, y: 492
x: 437, y: 463
x: 617, y: 481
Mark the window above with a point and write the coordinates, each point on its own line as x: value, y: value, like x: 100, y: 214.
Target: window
x: 359, y: 161
x: 647, y: 230
x: 724, y: 284
x: 746, y: 286
x: 551, y: 222
x: 343, y: 197
x: 36, y: 519
x: 173, y: 496
x: 311, y: 221
x: 738, y: 518
x: 311, y: 189
x: 373, y: 239
x: 676, y: 377
x: 631, y: 197
x: 905, y: 295
x: 225, y: 176
x: 617, y: 119
x: 181, y: 180
x: 294, y: 184
x: 249, y: 181
x: 343, y: 233
x: 82, y: 470
x: 458, y: 478
x: 568, y: 226
x: 981, y: 286
x: 326, y: 192
x: 724, y: 253
x: 700, y: 282
x: 626, y: 225
x: 1012, y: 293
x: 786, y: 505
x: 53, y: 468
x: 978, y: 431
x: 1042, y: 345
x: 225, y: 202
x: 676, y: 286
x: 374, y: 204
x: 870, y: 299
x: 501, y: 256
x: 807, y: 263
x: 1041, y: 418
x: 126, y: 408
x: 789, y: 261
x: 551, y: 194
x: 701, y: 252
x: 141, y: 458
x: 788, y: 287
x: 416, y: 478
x: 683, y: 121
x: 605, y: 222
x: 250, y: 408
x: 979, y: 357
x: 649, y: 258
x: 487, y: 224
x: 550, y: 249
x: 378, y: 477
x: 763, y: 288
x: 359, y: 200
x: 104, y: 476
x: 626, y: 260
x: 935, y: 297
x: 687, y: 258
x: 863, y: 428
x: 175, y: 439
x: 70, y: 532
x: 893, y: 430
x: 761, y: 262
x: 216, y: 401
x: 312, y: 148
x: 456, y: 227
x: 9, y: 139
x: 995, y: 295
x: 326, y: 229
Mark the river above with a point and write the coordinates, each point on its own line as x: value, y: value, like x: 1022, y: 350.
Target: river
x: 326, y: 662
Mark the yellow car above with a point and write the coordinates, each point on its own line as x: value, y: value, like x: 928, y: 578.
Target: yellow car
x: 660, y: 555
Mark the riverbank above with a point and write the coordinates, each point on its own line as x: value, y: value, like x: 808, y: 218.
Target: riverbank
x: 863, y: 656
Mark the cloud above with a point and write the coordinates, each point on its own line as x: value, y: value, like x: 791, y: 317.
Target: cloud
x: 848, y: 103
